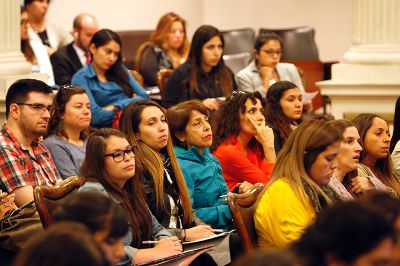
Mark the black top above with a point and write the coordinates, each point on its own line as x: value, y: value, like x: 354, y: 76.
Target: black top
x: 43, y: 36
x: 153, y: 59
x: 178, y: 88
x: 65, y: 63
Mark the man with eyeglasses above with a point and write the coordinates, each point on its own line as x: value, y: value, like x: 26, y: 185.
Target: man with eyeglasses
x: 24, y: 162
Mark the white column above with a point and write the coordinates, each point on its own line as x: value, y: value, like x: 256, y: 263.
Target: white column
x: 368, y: 77
x: 13, y: 65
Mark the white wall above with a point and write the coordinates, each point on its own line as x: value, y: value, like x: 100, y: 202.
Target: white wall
x: 331, y: 19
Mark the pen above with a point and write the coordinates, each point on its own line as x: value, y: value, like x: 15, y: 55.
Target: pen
x: 149, y: 242
x: 218, y: 230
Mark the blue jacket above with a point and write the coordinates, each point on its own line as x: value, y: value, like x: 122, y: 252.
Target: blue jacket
x: 203, y: 176
x: 102, y: 94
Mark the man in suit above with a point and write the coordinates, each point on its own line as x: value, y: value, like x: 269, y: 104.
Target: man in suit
x: 69, y: 59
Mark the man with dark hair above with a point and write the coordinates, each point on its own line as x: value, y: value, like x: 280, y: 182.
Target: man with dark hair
x: 24, y: 162
x: 69, y: 59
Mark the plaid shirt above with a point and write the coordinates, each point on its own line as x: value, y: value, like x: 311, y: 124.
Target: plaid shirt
x: 19, y: 169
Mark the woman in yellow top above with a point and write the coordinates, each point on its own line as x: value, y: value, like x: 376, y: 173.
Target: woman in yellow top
x: 298, y: 188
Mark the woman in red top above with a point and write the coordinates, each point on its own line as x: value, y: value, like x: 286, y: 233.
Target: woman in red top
x: 243, y: 144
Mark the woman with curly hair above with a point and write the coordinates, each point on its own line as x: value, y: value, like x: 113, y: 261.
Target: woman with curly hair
x: 298, y: 189
x: 167, y: 47
x: 243, y: 144
x: 283, y: 110
x: 375, y: 160
x: 68, y: 128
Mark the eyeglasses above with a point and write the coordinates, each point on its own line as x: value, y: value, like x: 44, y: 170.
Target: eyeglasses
x: 119, y: 156
x: 235, y: 93
x: 38, y: 107
x: 272, y: 52
x: 24, y: 22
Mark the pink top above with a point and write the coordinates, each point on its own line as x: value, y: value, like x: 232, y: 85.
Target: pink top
x: 238, y: 167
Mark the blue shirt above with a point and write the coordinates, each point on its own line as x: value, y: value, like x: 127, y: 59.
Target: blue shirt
x: 102, y: 94
x: 206, y: 186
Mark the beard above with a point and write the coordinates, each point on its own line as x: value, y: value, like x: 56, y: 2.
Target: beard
x: 30, y: 130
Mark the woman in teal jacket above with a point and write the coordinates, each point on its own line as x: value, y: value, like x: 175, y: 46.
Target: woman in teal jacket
x: 192, y: 137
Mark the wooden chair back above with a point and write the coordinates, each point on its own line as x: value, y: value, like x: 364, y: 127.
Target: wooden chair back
x: 242, y: 207
x: 137, y: 76
x: 48, y: 198
x: 162, y: 77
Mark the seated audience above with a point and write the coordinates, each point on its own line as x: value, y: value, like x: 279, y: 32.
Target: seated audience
x: 145, y: 124
x: 110, y: 168
x: 166, y: 48
x: 283, y: 110
x: 63, y: 244
x: 51, y: 34
x: 347, y: 234
x: 345, y: 179
x: 72, y: 57
x: 24, y: 162
x: 6, y: 203
x: 34, y: 50
x: 204, y: 75
x: 109, y: 85
x: 266, y: 69
x: 67, y: 130
x: 375, y: 158
x: 243, y: 144
x: 395, y: 142
x: 298, y: 188
x: 192, y: 136
x: 105, y: 220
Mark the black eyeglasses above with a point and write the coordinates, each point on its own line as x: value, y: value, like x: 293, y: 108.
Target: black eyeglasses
x: 235, y: 93
x: 38, y: 106
x: 119, y: 156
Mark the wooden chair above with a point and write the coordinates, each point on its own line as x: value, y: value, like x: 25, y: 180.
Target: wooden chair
x: 131, y: 40
x: 162, y: 77
x: 48, y: 198
x: 137, y: 76
x: 242, y: 207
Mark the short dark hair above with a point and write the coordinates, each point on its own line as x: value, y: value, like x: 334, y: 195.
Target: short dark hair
x: 345, y: 232
x: 28, y: 2
x: 19, y: 90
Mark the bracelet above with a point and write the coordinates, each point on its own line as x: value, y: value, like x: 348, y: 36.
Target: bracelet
x: 184, y: 235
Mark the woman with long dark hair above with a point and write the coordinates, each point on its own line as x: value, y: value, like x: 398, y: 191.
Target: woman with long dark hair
x: 204, y: 75
x: 109, y: 85
x: 167, y: 48
x: 395, y: 141
x: 68, y: 128
x: 110, y: 168
x: 283, y: 110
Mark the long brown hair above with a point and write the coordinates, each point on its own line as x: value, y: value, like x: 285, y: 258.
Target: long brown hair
x: 131, y: 196
x: 218, y: 74
x: 383, y: 167
x: 151, y: 160
x: 56, y: 125
x: 299, y: 153
x: 159, y: 37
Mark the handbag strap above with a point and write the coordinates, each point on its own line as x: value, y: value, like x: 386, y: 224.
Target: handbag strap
x: 8, y: 215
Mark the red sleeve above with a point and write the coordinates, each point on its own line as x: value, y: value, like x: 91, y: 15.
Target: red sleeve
x: 235, y: 164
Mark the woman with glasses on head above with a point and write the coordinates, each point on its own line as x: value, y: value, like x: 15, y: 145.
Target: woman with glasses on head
x: 68, y: 128
x: 167, y: 48
x: 204, y: 75
x: 266, y: 68
x: 109, y: 85
x: 243, y: 143
x: 110, y: 168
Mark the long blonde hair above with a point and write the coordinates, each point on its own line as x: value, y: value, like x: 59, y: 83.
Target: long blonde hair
x: 299, y: 153
x: 150, y: 160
